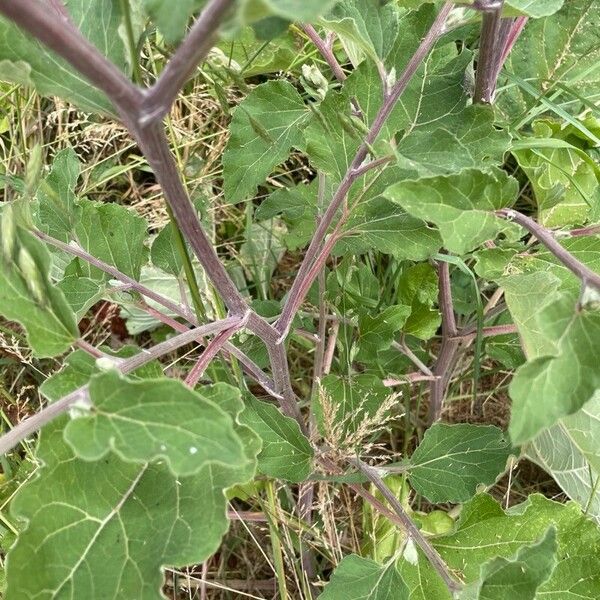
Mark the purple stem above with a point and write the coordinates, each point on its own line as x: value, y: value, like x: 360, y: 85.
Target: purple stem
x: 545, y: 237
x: 326, y: 52
x: 29, y: 426
x: 302, y: 283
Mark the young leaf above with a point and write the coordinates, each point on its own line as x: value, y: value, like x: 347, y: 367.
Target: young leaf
x: 452, y: 460
x: 262, y: 250
x: 265, y: 127
x: 81, y: 293
x: 550, y: 387
x: 26, y: 61
x: 460, y: 205
x: 418, y: 288
x: 359, y: 578
x: 26, y: 294
x: 286, y: 453
x: 516, y: 577
x: 146, y: 420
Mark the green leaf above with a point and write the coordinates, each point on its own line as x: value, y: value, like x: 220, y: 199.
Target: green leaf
x: 468, y: 140
x: 113, y: 234
x: 26, y: 294
x: 357, y: 578
x: 265, y: 127
x: 25, y: 61
x: 565, y: 377
x: 172, y: 23
x: 375, y: 222
x: 563, y: 47
x: 371, y: 25
x: 86, y: 519
x: 418, y: 288
x: 518, y: 577
x: 377, y: 331
x: 564, y: 180
x: 262, y: 250
x: 485, y: 532
x: 460, y: 205
x: 146, y: 420
x: 452, y: 460
x: 286, y: 453
x: 535, y: 8
x: 568, y: 451
x: 253, y: 10
x: 526, y: 294
x: 164, y: 253
x: 81, y: 293
x: 56, y: 196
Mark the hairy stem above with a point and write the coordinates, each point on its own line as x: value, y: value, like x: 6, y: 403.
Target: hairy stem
x: 325, y: 51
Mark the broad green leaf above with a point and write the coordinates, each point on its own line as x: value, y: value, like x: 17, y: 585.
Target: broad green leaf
x: 565, y: 376
x: 86, y: 519
x: 146, y: 420
x: 286, y: 453
x: 26, y: 293
x: 460, y: 205
x: 333, y: 135
x: 569, y: 453
x: 378, y: 329
x: 526, y: 294
x: 564, y: 180
x: 452, y: 460
x: 25, y: 61
x: 357, y: 578
x: 81, y: 293
x: 291, y: 10
x: 265, y: 127
x: 516, y: 577
x: 56, y: 196
x: 298, y: 207
x: 113, y: 234
x: 563, y: 47
x: 468, y: 140
x: 382, y: 225
x: 369, y: 24
x: 485, y: 532
x: 375, y: 222
x: 164, y: 253
x: 535, y: 8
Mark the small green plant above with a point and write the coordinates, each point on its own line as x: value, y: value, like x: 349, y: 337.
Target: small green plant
x: 448, y: 219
